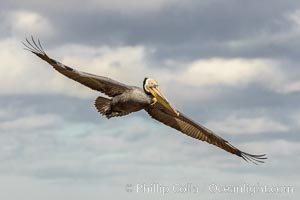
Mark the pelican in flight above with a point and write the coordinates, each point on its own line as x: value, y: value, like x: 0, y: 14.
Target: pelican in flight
x: 126, y: 99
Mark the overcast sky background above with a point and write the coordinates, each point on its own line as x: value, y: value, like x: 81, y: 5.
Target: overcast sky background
x: 230, y: 65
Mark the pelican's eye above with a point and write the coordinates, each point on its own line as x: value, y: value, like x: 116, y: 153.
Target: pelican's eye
x: 151, y: 84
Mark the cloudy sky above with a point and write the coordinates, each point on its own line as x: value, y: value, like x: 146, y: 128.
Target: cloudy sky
x: 230, y: 65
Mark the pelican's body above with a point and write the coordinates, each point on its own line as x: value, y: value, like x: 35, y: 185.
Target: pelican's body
x: 132, y: 100
x: 127, y: 99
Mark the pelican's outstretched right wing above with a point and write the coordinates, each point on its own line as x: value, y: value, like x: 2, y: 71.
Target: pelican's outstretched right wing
x: 103, y: 84
x: 187, y: 126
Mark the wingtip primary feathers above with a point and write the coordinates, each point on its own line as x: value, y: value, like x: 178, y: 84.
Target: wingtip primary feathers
x: 256, y: 159
x: 34, y: 46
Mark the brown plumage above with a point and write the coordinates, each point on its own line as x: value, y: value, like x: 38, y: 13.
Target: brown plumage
x: 126, y: 99
x: 187, y: 126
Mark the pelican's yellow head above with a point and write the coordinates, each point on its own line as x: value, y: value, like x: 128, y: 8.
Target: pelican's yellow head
x: 151, y: 88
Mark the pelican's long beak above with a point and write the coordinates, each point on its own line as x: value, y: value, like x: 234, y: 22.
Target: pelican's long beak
x: 156, y: 92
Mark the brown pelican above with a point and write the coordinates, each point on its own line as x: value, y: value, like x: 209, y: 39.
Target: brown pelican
x: 127, y: 99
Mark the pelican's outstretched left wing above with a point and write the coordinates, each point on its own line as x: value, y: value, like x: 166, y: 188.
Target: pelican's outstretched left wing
x: 192, y: 129
x: 103, y: 84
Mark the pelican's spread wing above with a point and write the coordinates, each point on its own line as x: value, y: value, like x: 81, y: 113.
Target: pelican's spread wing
x: 192, y: 129
x: 103, y: 84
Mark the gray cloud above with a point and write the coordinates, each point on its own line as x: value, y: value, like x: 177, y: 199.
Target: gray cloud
x: 200, y: 30
x: 194, y: 30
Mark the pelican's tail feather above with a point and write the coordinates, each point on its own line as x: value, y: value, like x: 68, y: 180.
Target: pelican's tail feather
x: 103, y: 106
